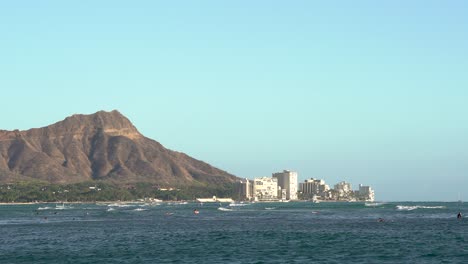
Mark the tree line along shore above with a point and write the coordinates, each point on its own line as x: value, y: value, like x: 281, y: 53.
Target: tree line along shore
x: 96, y: 191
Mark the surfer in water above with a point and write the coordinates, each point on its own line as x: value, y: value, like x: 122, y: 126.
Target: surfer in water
x: 459, y: 215
x: 195, y: 211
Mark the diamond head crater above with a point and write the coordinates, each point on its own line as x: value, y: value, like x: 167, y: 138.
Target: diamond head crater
x: 100, y: 157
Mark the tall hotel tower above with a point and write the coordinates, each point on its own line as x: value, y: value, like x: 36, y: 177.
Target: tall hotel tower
x: 287, y: 180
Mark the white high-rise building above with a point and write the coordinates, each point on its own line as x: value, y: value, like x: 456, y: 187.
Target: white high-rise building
x: 287, y: 180
x: 245, y: 189
x: 265, y: 189
x: 366, y: 193
x: 313, y: 187
x: 343, y: 189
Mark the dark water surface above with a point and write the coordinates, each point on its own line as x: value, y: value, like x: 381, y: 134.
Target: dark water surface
x: 296, y: 232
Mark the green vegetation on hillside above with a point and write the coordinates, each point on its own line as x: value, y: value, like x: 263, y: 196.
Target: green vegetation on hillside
x: 104, y: 191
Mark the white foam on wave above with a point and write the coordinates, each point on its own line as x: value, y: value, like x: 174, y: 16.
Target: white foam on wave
x: 238, y: 204
x: 140, y: 209
x: 60, y: 207
x: 414, y: 207
x: 121, y: 205
x: 373, y: 204
x: 177, y: 203
x: 45, y: 208
x: 17, y: 222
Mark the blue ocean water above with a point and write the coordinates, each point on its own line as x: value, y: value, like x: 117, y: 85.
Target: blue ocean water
x: 295, y: 232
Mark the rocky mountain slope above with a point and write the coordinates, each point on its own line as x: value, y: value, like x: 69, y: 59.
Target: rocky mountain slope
x: 100, y: 146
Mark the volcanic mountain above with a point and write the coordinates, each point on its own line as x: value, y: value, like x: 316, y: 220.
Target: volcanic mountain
x: 100, y: 146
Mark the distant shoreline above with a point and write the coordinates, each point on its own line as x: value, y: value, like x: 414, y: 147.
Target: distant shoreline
x: 106, y: 202
x: 193, y: 201
x: 168, y: 201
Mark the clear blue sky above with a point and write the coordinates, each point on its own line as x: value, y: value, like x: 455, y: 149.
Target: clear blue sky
x: 372, y: 92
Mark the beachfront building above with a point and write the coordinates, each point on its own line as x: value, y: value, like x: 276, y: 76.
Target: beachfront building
x: 343, y: 190
x: 265, y: 189
x: 282, y: 194
x: 314, y: 188
x: 365, y: 193
x: 287, y: 180
x: 245, y: 189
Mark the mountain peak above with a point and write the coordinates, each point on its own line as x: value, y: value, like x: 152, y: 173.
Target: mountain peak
x: 112, y: 123
x: 99, y: 146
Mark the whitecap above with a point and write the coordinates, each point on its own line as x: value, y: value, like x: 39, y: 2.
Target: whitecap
x: 238, y: 204
x: 414, y: 207
x: 373, y: 204
x: 121, y: 205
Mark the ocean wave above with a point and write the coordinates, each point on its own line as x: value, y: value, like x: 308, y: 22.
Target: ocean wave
x: 177, y: 203
x: 121, y: 205
x: 414, y: 207
x: 238, y: 204
x: 373, y: 204
x: 45, y: 208
x: 62, y: 207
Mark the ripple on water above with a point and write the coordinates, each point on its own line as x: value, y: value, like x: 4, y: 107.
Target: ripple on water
x: 291, y: 233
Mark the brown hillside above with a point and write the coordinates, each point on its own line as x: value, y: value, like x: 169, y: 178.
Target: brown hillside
x: 104, y: 146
